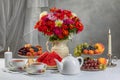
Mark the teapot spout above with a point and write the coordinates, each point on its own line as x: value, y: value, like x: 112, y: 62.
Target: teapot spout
x: 59, y: 65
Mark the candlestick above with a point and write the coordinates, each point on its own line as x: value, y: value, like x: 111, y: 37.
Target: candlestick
x: 8, y: 57
x: 110, y: 64
x: 109, y: 43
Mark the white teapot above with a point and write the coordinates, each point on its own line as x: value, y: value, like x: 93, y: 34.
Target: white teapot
x: 69, y: 65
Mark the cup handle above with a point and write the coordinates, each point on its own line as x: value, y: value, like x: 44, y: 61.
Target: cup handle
x: 45, y: 66
x: 10, y: 64
x: 81, y: 60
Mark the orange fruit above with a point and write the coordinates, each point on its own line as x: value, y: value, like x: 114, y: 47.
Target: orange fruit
x: 29, y: 54
x: 85, y: 51
x: 97, y: 51
x: 91, y: 52
x: 102, y: 60
x: 31, y: 50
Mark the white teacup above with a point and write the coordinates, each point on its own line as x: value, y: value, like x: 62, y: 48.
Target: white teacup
x: 17, y: 64
x: 38, y: 67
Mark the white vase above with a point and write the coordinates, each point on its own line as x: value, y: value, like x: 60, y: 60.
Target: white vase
x: 59, y: 47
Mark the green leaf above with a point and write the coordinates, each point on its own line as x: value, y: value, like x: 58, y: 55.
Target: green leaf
x: 73, y: 30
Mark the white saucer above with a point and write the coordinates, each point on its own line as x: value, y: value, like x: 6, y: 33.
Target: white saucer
x: 8, y: 70
x: 33, y: 72
x: 16, y: 69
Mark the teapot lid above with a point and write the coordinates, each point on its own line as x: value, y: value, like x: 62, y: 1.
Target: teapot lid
x: 68, y: 58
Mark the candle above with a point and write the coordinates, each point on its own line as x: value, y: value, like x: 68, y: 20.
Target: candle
x: 109, y: 43
x: 8, y: 57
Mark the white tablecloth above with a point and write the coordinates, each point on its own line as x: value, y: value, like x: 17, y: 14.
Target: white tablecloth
x: 108, y: 74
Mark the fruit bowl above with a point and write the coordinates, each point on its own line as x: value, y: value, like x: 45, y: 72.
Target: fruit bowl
x: 92, y: 54
x: 91, y: 64
x: 88, y: 49
x: 91, y: 69
x: 22, y: 56
x: 30, y: 50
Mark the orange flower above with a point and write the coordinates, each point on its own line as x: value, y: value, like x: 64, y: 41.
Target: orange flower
x: 65, y: 32
x: 37, y: 25
x: 71, y: 26
x: 53, y: 9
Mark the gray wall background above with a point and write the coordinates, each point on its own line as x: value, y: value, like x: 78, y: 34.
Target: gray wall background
x: 97, y: 16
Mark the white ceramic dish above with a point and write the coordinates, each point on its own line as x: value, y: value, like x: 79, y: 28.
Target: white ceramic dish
x: 16, y: 69
x: 32, y: 72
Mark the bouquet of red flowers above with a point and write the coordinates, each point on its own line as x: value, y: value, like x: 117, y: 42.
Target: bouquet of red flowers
x: 59, y: 24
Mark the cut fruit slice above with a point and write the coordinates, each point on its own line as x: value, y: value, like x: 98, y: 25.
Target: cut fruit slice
x: 48, y: 58
x: 42, y: 57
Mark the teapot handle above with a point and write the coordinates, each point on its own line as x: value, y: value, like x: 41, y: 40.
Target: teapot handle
x: 81, y: 60
x: 47, y: 46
